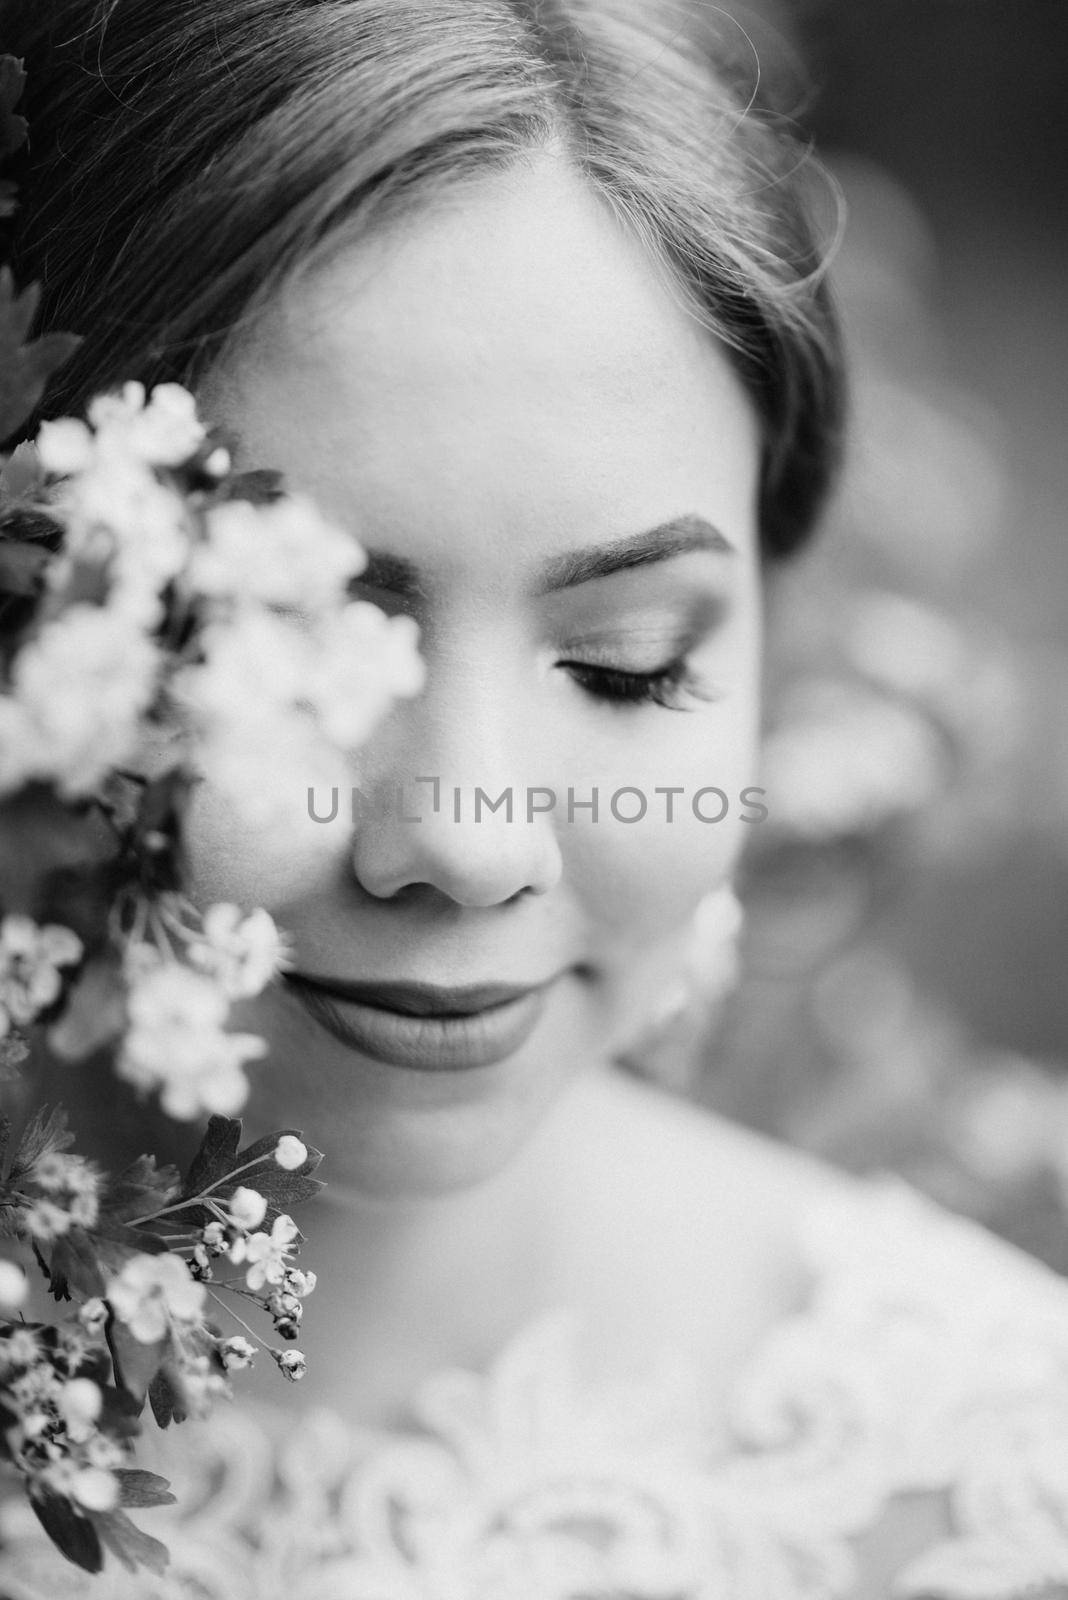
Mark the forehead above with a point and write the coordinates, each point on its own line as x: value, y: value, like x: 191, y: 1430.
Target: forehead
x: 510, y: 358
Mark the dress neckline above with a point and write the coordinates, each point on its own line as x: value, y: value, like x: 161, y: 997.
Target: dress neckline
x: 929, y: 1362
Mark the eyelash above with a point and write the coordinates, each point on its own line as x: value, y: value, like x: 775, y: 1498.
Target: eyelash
x: 617, y: 687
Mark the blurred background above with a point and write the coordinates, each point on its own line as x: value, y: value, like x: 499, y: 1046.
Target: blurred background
x: 905, y: 999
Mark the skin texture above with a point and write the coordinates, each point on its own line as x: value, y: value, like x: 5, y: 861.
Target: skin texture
x: 498, y: 380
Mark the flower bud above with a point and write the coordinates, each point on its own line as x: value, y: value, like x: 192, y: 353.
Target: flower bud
x: 292, y: 1363
x: 14, y: 1285
x: 237, y: 1353
x: 290, y: 1152
x: 247, y: 1208
x: 95, y: 1489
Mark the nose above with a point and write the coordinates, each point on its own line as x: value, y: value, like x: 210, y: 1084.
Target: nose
x: 465, y: 828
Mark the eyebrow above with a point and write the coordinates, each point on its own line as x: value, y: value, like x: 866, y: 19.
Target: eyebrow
x: 679, y: 536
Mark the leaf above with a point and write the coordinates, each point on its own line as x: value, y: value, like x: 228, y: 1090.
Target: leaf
x: 140, y: 1488
x: 13, y: 128
x: 74, y: 1266
x: 120, y: 1414
x: 136, y: 1364
x: 13, y: 1052
x: 216, y: 1156
x: 95, y: 1012
x: 166, y: 1399
x: 156, y: 840
x: 279, y: 1187
x: 141, y: 1189
x: 130, y: 1544
x: 70, y: 1531
x: 22, y: 474
x: 118, y: 1239
x: 25, y: 369
x: 22, y: 566
x: 47, y: 1131
x: 259, y: 487
x: 221, y: 1167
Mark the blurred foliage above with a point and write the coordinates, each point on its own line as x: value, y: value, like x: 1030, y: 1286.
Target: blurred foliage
x: 892, y: 1014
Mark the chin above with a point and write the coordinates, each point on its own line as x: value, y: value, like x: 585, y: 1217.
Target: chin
x: 389, y: 1132
x: 437, y: 1153
x: 457, y: 1138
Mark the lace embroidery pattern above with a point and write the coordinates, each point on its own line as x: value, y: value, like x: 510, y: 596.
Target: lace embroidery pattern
x: 930, y: 1357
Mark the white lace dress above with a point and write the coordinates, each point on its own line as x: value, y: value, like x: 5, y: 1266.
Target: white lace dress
x: 904, y: 1435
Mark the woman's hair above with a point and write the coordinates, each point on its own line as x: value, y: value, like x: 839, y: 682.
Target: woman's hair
x: 187, y: 157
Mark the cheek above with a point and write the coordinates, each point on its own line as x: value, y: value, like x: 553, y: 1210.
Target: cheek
x: 640, y: 881
x: 252, y: 861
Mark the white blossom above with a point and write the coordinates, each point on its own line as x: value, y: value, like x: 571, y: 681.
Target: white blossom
x: 93, y: 1314
x: 264, y: 1254
x: 284, y: 553
x: 362, y: 662
x: 30, y: 958
x: 20, y: 1349
x: 44, y: 1220
x: 118, y: 515
x: 14, y: 1285
x: 153, y: 1292
x: 71, y: 1188
x: 214, y: 1238
x: 92, y: 1487
x: 80, y: 686
x: 247, y: 1208
x: 293, y: 1364
x: 237, y: 1353
x: 80, y: 1402
x: 299, y: 1283
x: 64, y: 447
x: 95, y: 1489
x: 162, y: 431
x: 176, y: 1043
x: 264, y: 767
x: 242, y: 953
x: 253, y: 664
x: 202, y: 1385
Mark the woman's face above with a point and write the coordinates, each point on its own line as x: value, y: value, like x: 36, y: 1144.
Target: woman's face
x: 554, y: 468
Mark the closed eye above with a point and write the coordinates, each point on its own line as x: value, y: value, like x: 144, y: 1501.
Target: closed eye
x: 617, y: 686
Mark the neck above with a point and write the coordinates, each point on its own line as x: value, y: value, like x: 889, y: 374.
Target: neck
x: 420, y: 1282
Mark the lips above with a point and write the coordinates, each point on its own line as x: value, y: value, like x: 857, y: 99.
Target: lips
x: 425, y: 1027
x: 421, y: 999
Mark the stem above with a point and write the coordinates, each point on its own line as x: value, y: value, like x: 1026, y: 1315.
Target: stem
x: 160, y: 931
x: 236, y: 1288
x: 195, y: 1200
x: 230, y: 1312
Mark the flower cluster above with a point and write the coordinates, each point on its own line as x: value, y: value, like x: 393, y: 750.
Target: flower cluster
x: 245, y: 1230
x: 237, y: 1235
x: 171, y: 621
x: 53, y: 1418
x: 158, y: 546
x: 179, y: 631
x: 176, y: 1040
x: 67, y: 1195
x: 139, y: 1253
x: 163, y: 620
x: 30, y: 962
